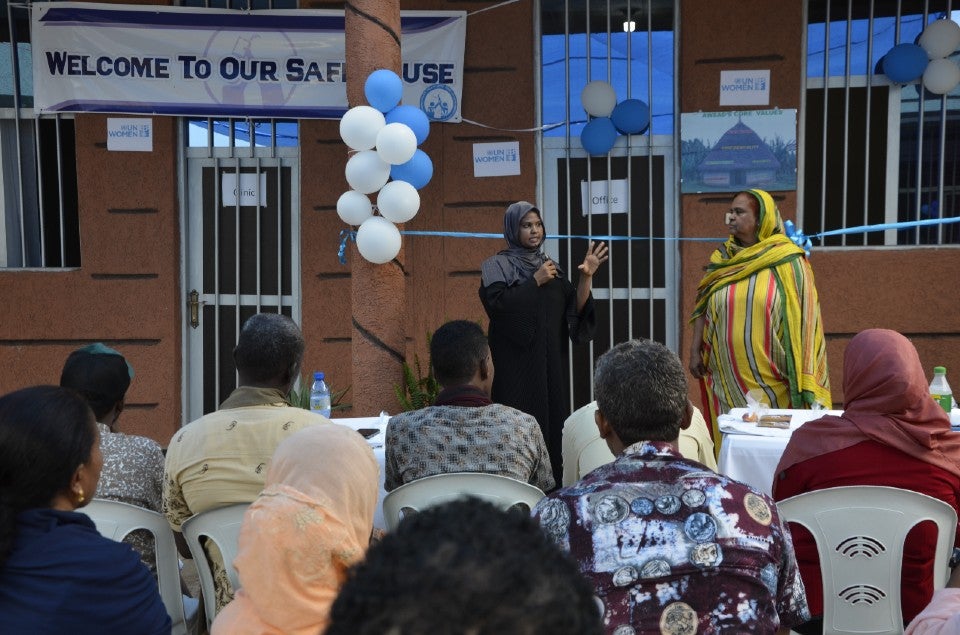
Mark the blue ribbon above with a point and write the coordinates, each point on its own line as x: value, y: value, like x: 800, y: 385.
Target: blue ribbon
x: 797, y: 236
x: 345, y: 235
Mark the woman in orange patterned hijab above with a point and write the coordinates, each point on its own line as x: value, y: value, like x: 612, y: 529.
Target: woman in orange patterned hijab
x: 310, y: 524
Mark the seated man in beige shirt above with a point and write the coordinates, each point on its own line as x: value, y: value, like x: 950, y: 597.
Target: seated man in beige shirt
x: 584, y: 450
x: 222, y: 458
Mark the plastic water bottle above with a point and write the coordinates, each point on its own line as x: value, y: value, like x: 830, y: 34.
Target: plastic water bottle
x: 320, y: 395
x: 940, y: 389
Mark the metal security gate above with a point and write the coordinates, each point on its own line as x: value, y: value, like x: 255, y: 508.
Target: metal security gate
x: 241, y: 257
x: 636, y: 291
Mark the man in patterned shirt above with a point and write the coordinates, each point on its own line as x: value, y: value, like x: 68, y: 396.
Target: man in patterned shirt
x: 132, y: 465
x: 671, y: 546
x: 222, y: 458
x: 464, y: 431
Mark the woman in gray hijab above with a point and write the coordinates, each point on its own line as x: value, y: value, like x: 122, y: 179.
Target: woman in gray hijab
x: 533, y: 310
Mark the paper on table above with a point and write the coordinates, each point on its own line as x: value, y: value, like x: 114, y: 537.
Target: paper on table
x: 376, y: 441
x: 733, y: 423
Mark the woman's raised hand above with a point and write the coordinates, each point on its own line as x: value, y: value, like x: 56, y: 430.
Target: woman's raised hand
x: 596, y: 256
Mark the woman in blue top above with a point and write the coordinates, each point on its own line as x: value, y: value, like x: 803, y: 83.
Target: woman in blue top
x: 57, y: 573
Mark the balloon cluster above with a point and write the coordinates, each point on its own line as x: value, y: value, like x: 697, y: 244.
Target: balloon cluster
x: 385, y: 136
x: 928, y: 58
x: 609, y: 118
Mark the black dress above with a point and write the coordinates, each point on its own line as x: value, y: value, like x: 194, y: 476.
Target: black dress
x: 529, y: 328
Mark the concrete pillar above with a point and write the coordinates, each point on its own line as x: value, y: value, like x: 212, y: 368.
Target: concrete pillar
x: 377, y: 292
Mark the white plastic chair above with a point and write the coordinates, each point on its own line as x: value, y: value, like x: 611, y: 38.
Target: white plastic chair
x: 115, y: 520
x: 502, y: 491
x: 222, y: 526
x: 859, y: 532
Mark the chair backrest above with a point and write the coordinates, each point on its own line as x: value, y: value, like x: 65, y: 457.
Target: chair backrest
x: 115, y: 520
x: 502, y: 491
x: 221, y: 526
x: 859, y: 532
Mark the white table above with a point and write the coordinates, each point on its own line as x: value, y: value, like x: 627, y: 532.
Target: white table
x: 376, y: 443
x: 750, y: 454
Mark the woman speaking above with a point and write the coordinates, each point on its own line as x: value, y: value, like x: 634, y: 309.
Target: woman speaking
x: 533, y: 310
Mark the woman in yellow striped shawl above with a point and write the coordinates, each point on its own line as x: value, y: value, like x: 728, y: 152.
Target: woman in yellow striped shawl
x: 757, y: 317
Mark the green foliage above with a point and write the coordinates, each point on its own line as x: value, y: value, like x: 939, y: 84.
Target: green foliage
x: 300, y: 398
x: 417, y: 390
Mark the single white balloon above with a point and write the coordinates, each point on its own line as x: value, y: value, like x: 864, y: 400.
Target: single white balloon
x: 398, y: 201
x: 940, y: 38
x: 366, y: 172
x: 598, y: 98
x: 396, y: 143
x: 941, y: 76
x: 378, y: 240
x: 359, y: 127
x: 353, y: 207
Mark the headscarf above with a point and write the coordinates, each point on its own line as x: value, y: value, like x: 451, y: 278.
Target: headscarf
x: 515, y: 264
x: 733, y: 262
x: 310, y: 524
x: 886, y: 399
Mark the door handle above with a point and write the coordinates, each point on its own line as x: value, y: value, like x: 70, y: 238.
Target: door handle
x: 193, y: 304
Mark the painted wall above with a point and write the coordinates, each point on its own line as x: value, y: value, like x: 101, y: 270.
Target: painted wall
x: 126, y: 291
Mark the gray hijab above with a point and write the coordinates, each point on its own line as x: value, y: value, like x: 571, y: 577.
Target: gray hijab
x: 516, y: 264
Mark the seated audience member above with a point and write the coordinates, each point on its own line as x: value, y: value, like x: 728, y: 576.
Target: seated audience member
x: 465, y: 567
x: 312, y: 521
x: 942, y: 615
x: 464, y: 431
x: 222, y: 458
x: 890, y: 433
x: 671, y: 546
x: 132, y: 465
x: 57, y: 573
x: 584, y: 450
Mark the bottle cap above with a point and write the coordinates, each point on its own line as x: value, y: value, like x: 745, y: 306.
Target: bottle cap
x: 940, y: 369
x: 318, y: 375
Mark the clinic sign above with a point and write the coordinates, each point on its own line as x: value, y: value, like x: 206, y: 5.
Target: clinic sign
x: 211, y: 62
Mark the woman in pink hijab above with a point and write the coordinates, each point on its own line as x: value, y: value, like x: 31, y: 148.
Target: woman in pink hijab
x: 311, y: 522
x: 891, y: 433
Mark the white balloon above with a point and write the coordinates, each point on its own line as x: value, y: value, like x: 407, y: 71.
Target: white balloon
x: 598, y: 98
x: 353, y: 207
x: 396, y: 143
x: 940, y: 38
x: 366, y: 172
x: 941, y: 76
x: 378, y: 240
x: 359, y: 127
x: 398, y: 201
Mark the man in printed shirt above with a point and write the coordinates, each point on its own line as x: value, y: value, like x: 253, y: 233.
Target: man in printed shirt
x: 464, y: 431
x: 222, y: 458
x: 671, y: 546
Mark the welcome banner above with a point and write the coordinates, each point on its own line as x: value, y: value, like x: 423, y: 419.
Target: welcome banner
x: 211, y: 62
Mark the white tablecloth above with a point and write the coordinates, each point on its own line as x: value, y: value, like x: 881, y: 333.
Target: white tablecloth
x: 750, y: 454
x: 376, y: 443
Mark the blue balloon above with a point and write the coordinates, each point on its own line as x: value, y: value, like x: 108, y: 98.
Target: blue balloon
x: 631, y: 116
x: 905, y: 63
x: 417, y: 171
x: 413, y: 118
x: 598, y: 136
x: 383, y: 89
